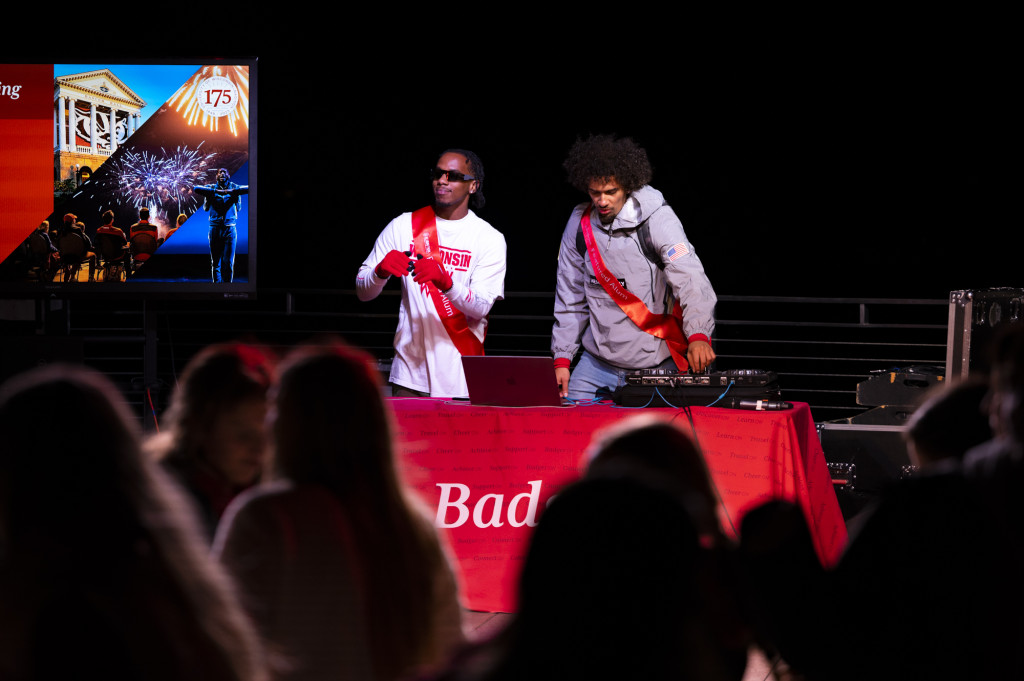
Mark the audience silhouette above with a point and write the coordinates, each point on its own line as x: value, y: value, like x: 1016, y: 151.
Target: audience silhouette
x: 1005, y: 403
x: 338, y: 563
x: 929, y: 585
x: 103, y: 571
x: 214, y: 434
x: 340, y: 573
x: 610, y: 589
x: 657, y: 452
x: 950, y: 421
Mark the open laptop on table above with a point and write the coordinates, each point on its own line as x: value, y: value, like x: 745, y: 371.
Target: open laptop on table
x: 511, y: 381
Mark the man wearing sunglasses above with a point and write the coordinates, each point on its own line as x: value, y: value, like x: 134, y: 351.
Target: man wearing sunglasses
x: 452, y: 268
x: 630, y: 289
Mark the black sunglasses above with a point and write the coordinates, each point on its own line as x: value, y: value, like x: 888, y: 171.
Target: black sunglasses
x: 453, y: 176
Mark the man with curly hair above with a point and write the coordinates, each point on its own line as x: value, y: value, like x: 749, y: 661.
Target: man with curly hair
x: 630, y: 290
x: 452, y: 267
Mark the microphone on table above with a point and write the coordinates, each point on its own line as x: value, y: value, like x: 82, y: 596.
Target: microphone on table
x: 760, y: 405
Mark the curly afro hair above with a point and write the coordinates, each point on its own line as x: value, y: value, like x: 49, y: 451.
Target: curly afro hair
x: 603, y: 157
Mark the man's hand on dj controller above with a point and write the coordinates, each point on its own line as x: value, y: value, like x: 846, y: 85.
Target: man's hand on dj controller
x: 700, y: 355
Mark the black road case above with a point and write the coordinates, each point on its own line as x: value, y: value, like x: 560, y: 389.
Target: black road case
x: 974, y: 316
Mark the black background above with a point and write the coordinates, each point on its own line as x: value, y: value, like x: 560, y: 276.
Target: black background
x: 851, y: 156
x: 880, y: 166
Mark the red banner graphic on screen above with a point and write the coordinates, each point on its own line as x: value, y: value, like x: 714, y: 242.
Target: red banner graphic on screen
x: 26, y: 141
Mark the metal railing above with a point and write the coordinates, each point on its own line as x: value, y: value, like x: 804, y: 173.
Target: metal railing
x: 821, y: 348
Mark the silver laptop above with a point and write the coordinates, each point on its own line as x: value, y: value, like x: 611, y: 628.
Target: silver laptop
x: 511, y: 381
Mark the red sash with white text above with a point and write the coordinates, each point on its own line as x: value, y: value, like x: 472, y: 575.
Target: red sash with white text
x: 665, y: 326
x: 424, y: 239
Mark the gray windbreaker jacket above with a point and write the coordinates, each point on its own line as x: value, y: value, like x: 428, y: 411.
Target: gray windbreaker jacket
x: 585, y: 313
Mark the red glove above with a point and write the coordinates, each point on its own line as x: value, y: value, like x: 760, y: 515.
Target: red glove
x: 395, y: 262
x: 428, y: 269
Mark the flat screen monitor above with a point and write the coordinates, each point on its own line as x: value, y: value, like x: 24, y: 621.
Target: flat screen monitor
x: 89, y: 149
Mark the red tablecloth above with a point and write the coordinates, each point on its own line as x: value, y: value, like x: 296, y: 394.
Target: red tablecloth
x: 487, y: 472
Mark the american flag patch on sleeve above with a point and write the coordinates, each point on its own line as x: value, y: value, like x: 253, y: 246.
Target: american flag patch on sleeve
x: 677, y: 251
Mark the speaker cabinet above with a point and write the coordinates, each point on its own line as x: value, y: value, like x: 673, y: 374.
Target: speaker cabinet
x: 862, y: 459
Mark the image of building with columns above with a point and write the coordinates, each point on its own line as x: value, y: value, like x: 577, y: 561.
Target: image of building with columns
x: 93, y: 114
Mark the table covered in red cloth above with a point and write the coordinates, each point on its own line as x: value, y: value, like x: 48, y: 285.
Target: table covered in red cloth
x: 486, y: 474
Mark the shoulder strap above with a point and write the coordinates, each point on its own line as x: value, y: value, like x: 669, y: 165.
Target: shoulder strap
x: 643, y: 233
x: 643, y: 236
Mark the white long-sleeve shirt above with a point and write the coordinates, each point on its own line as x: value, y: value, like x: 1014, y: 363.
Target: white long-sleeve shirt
x: 474, y: 257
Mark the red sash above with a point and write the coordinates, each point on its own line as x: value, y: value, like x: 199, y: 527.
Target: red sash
x: 665, y: 326
x: 424, y: 239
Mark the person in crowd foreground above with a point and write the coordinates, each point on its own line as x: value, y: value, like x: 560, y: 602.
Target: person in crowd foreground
x: 338, y: 563
x: 213, y: 436
x: 931, y: 572
x: 103, y: 570
x: 612, y: 588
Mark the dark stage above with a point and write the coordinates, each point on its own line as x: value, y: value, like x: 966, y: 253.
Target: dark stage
x: 811, y: 170
x: 860, y: 157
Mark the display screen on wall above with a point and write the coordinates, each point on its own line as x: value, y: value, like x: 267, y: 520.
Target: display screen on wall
x: 161, y: 154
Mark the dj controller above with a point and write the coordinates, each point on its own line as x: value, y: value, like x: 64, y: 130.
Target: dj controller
x: 755, y: 389
x: 740, y: 377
